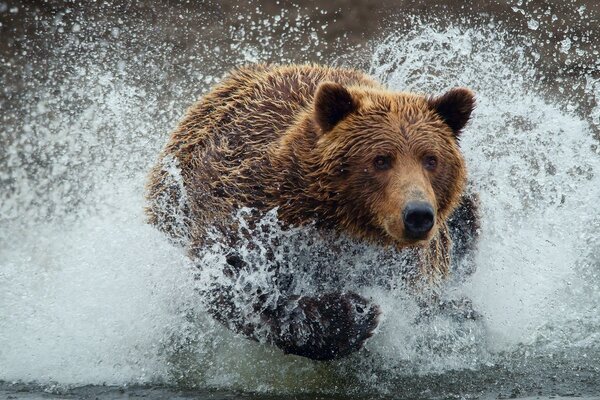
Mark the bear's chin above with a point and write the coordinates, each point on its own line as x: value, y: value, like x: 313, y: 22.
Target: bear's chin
x: 409, y: 242
x: 400, y: 239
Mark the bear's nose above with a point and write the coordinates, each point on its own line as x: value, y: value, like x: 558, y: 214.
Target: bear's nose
x: 418, y: 219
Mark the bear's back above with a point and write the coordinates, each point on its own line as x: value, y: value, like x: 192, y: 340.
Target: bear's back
x: 225, y: 136
x: 252, y: 107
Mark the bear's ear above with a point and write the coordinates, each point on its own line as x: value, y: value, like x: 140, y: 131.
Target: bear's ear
x: 332, y: 103
x: 455, y: 107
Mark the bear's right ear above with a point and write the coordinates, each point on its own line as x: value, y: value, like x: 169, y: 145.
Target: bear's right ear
x: 332, y: 103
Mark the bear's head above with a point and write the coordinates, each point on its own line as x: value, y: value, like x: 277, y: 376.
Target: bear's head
x: 389, y: 163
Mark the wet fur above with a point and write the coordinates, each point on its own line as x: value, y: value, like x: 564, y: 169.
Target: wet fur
x: 260, y: 139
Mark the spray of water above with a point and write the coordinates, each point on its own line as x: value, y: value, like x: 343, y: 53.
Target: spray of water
x: 90, y: 294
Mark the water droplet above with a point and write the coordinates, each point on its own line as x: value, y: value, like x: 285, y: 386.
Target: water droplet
x: 565, y: 45
x: 533, y: 24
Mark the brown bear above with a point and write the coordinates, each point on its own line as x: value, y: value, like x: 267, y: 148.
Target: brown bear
x: 328, y: 148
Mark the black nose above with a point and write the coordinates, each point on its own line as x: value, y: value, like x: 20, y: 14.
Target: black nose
x: 418, y: 219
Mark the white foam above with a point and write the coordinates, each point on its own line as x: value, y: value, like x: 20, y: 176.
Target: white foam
x: 90, y: 301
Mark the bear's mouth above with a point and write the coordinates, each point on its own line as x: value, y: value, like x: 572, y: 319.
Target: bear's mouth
x: 395, y: 230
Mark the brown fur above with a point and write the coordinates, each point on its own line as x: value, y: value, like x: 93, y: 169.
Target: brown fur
x: 303, y: 139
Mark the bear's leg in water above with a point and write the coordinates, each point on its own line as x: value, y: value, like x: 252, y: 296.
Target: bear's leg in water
x: 322, y: 327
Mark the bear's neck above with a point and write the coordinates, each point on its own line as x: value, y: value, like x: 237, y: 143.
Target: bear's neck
x: 300, y: 200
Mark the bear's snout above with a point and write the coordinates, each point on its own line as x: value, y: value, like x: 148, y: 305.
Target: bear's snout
x: 418, y: 219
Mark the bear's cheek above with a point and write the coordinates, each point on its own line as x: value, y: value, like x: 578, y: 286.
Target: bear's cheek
x: 448, y: 185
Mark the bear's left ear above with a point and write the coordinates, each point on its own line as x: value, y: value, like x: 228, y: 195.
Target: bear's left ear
x: 332, y: 103
x: 455, y: 108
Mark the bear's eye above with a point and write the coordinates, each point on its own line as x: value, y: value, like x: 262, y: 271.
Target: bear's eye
x: 382, y: 162
x: 430, y: 163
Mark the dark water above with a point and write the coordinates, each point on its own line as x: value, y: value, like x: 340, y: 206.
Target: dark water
x: 534, y: 376
x: 94, y: 303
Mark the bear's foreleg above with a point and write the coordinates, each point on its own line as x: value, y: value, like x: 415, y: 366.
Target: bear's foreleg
x: 323, y: 327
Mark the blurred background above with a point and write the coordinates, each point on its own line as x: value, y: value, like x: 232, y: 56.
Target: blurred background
x: 562, y: 31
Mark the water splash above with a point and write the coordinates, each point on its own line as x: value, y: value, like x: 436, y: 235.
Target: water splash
x: 534, y: 165
x: 90, y: 294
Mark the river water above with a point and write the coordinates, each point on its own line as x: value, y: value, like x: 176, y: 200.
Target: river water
x: 94, y: 303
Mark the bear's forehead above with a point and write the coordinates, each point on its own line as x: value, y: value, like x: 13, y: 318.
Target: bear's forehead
x: 392, y: 118
x: 400, y: 137
x: 410, y: 119
x: 395, y: 132
x: 397, y: 107
x: 393, y: 101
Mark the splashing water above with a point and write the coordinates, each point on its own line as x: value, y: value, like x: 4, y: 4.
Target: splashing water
x: 90, y: 294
